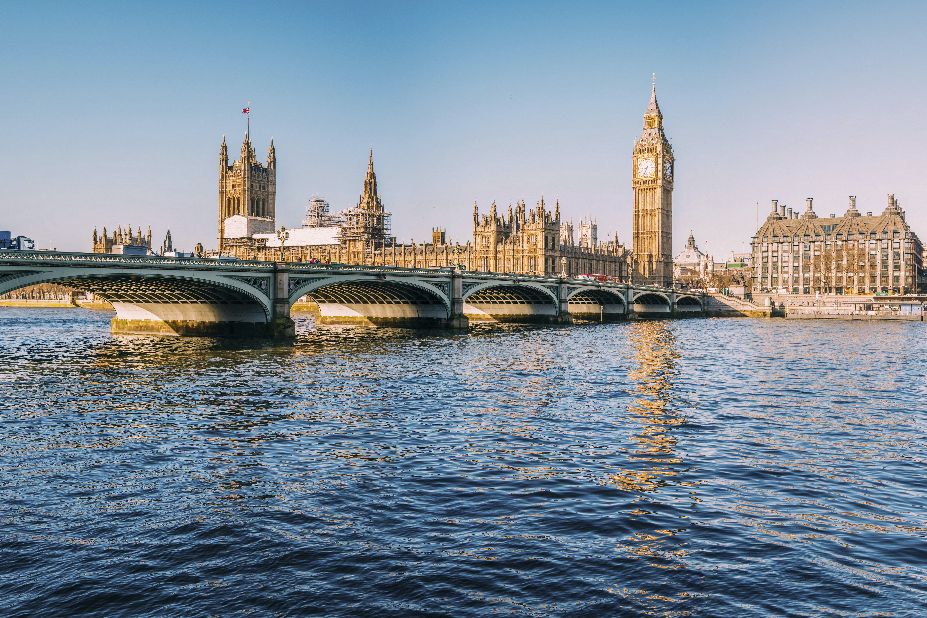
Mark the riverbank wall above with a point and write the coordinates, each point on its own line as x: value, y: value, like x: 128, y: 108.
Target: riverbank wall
x: 55, y: 303
x: 846, y: 307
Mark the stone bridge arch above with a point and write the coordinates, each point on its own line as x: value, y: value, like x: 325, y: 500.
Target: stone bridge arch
x: 166, y: 301
x: 510, y: 301
x: 651, y: 303
x: 379, y: 299
x: 596, y: 303
x: 689, y: 304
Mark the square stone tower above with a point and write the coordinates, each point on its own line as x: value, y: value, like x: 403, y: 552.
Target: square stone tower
x: 247, y: 188
x: 652, y: 180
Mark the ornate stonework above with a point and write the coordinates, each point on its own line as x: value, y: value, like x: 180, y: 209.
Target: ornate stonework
x: 123, y: 241
x: 246, y: 188
x: 652, y: 179
x: 523, y: 241
x: 534, y: 242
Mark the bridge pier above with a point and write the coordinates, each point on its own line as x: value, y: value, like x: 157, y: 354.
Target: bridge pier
x: 281, y: 324
x: 629, y: 303
x: 563, y: 303
x: 456, y: 318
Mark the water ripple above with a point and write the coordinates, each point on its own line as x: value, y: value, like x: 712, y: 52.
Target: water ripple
x: 697, y: 467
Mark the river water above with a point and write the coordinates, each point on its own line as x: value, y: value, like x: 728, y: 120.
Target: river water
x: 680, y: 468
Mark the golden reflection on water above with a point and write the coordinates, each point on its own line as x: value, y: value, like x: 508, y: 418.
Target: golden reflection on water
x: 655, y: 357
x: 655, y: 460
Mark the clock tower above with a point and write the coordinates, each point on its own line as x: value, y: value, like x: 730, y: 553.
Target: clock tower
x: 652, y: 180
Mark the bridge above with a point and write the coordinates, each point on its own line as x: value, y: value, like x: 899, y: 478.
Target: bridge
x: 223, y: 297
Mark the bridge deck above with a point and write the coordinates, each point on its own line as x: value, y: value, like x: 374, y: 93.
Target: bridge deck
x: 227, y: 296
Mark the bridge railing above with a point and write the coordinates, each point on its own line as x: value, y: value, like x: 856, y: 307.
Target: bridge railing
x: 109, y: 259
x: 92, y: 259
x: 303, y: 267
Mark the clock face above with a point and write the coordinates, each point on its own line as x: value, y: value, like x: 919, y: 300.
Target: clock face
x: 668, y: 168
x: 646, y: 168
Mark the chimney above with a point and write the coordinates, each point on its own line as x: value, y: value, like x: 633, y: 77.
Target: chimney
x: 775, y: 207
x: 853, y: 202
x: 788, y: 213
x: 869, y: 214
x: 782, y: 210
x: 808, y: 202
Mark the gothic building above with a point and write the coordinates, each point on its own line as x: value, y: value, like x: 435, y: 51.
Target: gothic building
x: 520, y: 241
x: 123, y: 242
x: 535, y: 242
x: 524, y: 242
x: 850, y: 254
x: 367, y: 225
x: 652, y: 180
x: 247, y: 193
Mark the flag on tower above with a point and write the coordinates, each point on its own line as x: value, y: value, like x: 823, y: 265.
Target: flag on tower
x: 246, y: 110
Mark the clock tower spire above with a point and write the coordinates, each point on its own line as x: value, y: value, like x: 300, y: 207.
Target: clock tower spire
x: 652, y: 181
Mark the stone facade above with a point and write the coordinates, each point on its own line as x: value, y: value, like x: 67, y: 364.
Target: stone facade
x: 850, y: 254
x: 123, y: 242
x: 519, y: 241
x: 691, y: 264
x: 535, y: 242
x: 247, y: 191
x: 652, y: 180
x: 524, y: 242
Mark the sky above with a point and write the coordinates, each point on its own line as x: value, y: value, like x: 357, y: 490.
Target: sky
x: 113, y: 112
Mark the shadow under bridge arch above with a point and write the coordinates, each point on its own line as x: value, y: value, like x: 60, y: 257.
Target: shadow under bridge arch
x: 689, y: 304
x: 596, y: 304
x: 382, y: 301
x: 510, y: 302
x: 652, y: 304
x: 168, y: 302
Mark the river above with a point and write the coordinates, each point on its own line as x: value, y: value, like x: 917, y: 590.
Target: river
x: 698, y: 467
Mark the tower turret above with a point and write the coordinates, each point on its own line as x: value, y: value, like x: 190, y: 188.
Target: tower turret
x: 223, y: 157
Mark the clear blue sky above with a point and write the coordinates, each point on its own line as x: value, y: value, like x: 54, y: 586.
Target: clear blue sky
x: 113, y: 112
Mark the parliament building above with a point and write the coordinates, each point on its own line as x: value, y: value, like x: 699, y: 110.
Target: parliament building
x: 850, y: 254
x: 520, y: 240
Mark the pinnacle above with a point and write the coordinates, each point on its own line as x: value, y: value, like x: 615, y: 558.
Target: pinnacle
x: 653, y: 106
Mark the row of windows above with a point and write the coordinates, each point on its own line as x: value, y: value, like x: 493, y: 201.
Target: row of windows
x: 789, y: 281
x: 836, y: 244
x: 839, y: 289
x: 832, y: 259
x: 840, y: 236
x: 806, y: 275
